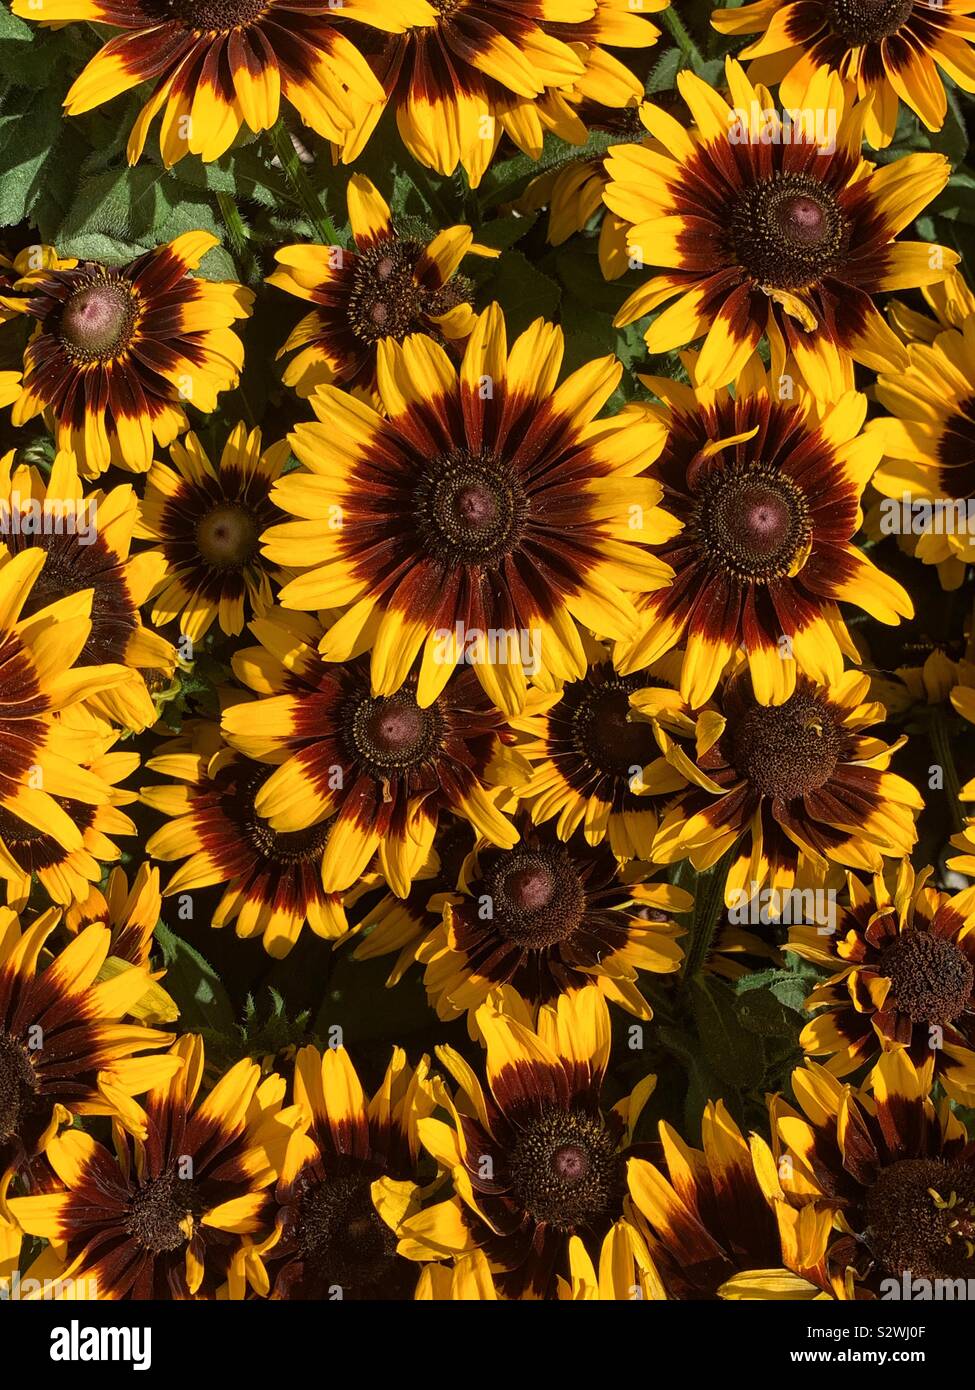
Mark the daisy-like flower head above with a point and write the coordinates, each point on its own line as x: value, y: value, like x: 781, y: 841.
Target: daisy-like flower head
x: 85, y: 540
x: 768, y: 491
x: 207, y: 524
x: 479, y: 69
x: 790, y: 788
x: 119, y: 349
x: 382, y: 767
x: 895, y: 1169
x: 903, y: 975
x: 348, y: 1180
x: 221, y: 64
x: 763, y: 225
x: 163, y: 1217
x: 547, y: 917
x: 889, y: 50
x: 535, y: 1157
x: 388, y: 287
x: 595, y: 759
x: 928, y: 474
x: 480, y: 520
x: 273, y: 878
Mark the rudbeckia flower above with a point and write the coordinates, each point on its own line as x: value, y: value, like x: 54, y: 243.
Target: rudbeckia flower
x: 768, y: 491
x: 536, y: 1158
x: 889, y: 50
x: 902, y: 966
x: 382, y: 767
x: 347, y: 1181
x: 164, y: 1216
x: 763, y: 225
x: 786, y: 790
x: 207, y: 522
x: 226, y: 63
x: 85, y: 540
x: 118, y: 351
x: 481, y: 520
x: 388, y: 287
x: 547, y: 917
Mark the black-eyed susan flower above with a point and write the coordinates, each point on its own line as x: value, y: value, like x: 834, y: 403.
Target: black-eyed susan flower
x: 480, y: 521
x: 768, y: 491
x: 547, y: 916
x: 387, y: 287
x: 927, y: 478
x: 902, y: 974
x: 888, y: 50
x: 595, y: 760
x: 535, y: 1158
x: 218, y: 66
x: 164, y: 1216
x: 760, y: 229
x: 381, y: 767
x: 272, y: 879
x: 119, y: 350
x: 86, y: 541
x: 347, y: 1182
x: 893, y: 1167
x: 789, y: 789
x: 207, y: 522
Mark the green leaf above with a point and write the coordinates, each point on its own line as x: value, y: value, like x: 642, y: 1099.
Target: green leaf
x: 204, y: 1004
x: 523, y: 292
x: 31, y: 128
x: 733, y: 1051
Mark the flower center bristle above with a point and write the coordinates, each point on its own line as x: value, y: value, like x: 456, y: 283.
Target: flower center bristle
x: 391, y: 734
x: 752, y: 522
x: 281, y: 848
x: 537, y: 897
x: 207, y: 16
x: 228, y: 536
x: 18, y: 1085
x: 565, y: 1171
x: 785, y: 750
x: 342, y: 1238
x: 470, y: 509
x: 161, y: 1214
x: 788, y: 232
x: 609, y: 733
x: 931, y: 976
x: 96, y: 321
x: 387, y: 300
x: 921, y: 1219
x: 867, y: 21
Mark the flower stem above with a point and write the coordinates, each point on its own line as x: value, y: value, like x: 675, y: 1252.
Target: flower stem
x: 708, y: 910
x: 945, y: 758
x: 672, y: 21
x: 301, y: 184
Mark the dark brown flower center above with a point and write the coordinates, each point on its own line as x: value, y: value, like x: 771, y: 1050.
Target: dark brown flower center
x: 96, y: 322
x: 788, y: 231
x: 537, y: 896
x: 867, y: 21
x: 931, y: 976
x: 208, y: 16
x: 921, y: 1219
x: 470, y: 510
x: 228, y: 537
x: 785, y: 750
x: 161, y: 1213
x: 283, y: 848
x: 391, y: 734
x: 342, y: 1239
x: 387, y: 300
x: 565, y: 1171
x: 609, y: 733
x: 18, y: 1085
x: 752, y: 522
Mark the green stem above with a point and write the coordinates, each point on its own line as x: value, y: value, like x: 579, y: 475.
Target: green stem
x: 708, y: 911
x: 234, y: 223
x: 300, y: 182
x: 672, y: 21
x: 941, y: 746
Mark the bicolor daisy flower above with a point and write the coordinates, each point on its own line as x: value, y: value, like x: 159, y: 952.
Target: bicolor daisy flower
x: 786, y: 790
x: 223, y: 64
x: 481, y: 520
x: 546, y: 917
x: 119, y: 350
x: 273, y: 879
x: 164, y: 1216
x: 381, y: 767
x: 768, y: 491
x: 927, y: 440
x: 85, y: 540
x: 207, y: 522
x: 348, y: 1180
x: 535, y: 1157
x: 902, y: 966
x: 387, y: 287
x: 760, y: 230
x: 888, y: 50
x: 894, y: 1168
